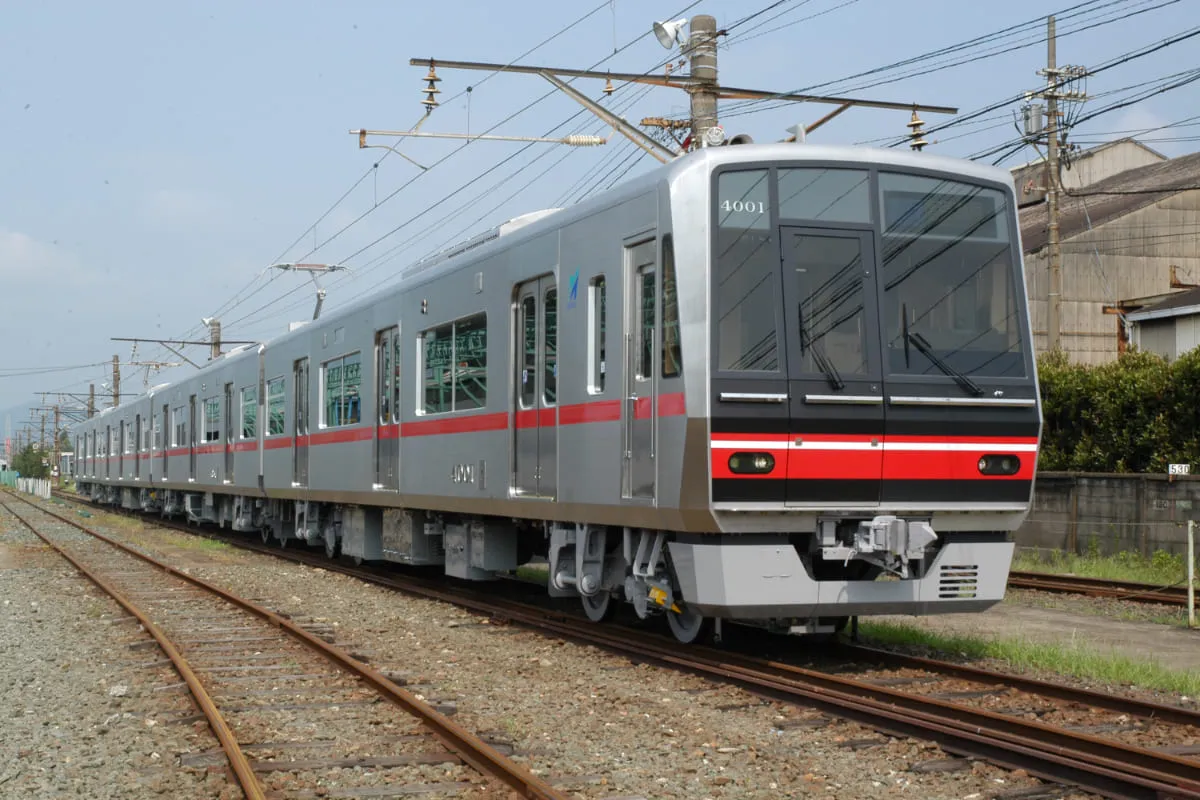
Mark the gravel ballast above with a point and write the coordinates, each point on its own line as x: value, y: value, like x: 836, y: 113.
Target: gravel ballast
x: 80, y: 719
x: 596, y: 725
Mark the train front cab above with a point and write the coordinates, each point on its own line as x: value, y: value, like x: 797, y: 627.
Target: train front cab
x: 874, y: 404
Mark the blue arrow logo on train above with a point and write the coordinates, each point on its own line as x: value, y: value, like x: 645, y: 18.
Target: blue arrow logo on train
x: 574, y: 290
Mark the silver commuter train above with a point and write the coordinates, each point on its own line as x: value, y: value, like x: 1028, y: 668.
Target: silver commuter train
x: 743, y: 386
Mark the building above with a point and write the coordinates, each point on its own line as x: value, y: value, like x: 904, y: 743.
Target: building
x: 1129, y: 223
x: 1169, y: 328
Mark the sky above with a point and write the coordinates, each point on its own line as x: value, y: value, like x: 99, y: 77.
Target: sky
x: 157, y: 158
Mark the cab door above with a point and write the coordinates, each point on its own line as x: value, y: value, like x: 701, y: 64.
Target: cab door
x: 835, y: 387
x: 641, y: 389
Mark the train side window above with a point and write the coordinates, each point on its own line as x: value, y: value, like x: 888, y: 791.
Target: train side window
x: 550, y: 347
x: 212, y: 420
x: 672, y: 357
x: 396, y: 374
x: 385, y: 367
x: 130, y: 438
x: 276, y: 403
x: 645, y: 324
x: 528, y: 350
x: 597, y: 300
x: 250, y: 412
x: 178, y: 435
x: 342, y: 382
x: 453, y: 366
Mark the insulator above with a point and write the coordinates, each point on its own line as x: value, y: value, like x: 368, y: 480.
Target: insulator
x: 429, y: 102
x: 915, y: 122
x: 432, y: 76
x: 608, y: 87
x: 580, y: 140
x: 432, y: 88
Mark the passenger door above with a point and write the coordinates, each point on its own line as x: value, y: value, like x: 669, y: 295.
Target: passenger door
x: 641, y: 391
x: 192, y: 437
x: 535, y: 395
x: 835, y: 385
x: 230, y: 415
x: 387, y: 418
x: 137, y: 448
x: 300, y: 422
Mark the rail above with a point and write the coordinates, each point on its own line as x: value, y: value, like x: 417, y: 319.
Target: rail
x: 1098, y: 587
x: 466, y: 745
x: 1106, y: 767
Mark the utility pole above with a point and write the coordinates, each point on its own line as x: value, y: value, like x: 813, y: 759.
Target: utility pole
x: 1054, y: 297
x: 700, y: 83
x: 116, y: 381
x: 214, y: 337
x: 91, y: 406
x: 42, y: 439
x: 57, y: 447
x: 702, y: 65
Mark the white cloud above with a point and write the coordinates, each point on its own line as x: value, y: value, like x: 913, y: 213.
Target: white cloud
x: 24, y: 258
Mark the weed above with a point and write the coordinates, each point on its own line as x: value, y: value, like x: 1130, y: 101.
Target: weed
x: 1065, y: 659
x: 1162, y: 568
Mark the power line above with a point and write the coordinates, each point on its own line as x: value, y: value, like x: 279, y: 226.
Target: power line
x: 240, y: 297
x: 359, y: 273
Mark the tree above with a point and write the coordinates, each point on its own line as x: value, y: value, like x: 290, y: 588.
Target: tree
x: 30, y: 462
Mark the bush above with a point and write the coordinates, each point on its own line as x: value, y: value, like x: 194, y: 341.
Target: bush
x: 1136, y: 414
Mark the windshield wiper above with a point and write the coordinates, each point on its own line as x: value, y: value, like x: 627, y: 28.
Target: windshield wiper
x: 825, y: 365
x: 927, y: 350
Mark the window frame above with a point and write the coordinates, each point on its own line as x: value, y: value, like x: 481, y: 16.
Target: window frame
x: 252, y: 390
x: 341, y: 404
x: 597, y: 334
x: 668, y: 305
x: 280, y: 382
x: 212, y: 422
x: 422, y: 385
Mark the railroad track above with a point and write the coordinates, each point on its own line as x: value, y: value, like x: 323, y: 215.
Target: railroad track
x: 1052, y: 731
x: 1099, y: 587
x: 260, y: 679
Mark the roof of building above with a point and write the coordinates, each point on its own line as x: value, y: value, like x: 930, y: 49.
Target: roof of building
x: 1110, y: 198
x: 1181, y: 304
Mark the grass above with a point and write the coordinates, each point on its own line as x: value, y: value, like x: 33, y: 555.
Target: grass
x: 1074, y: 660
x: 534, y: 573
x: 1161, y: 569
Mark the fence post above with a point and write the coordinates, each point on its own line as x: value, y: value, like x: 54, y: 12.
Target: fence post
x: 1191, y: 569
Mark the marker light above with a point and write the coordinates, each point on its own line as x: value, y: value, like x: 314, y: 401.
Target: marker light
x: 999, y: 464
x: 751, y: 463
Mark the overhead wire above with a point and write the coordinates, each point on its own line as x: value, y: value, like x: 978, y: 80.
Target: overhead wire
x: 241, y: 295
x: 429, y: 207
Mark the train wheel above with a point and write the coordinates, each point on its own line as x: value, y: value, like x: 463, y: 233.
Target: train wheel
x: 598, y: 607
x: 688, y: 626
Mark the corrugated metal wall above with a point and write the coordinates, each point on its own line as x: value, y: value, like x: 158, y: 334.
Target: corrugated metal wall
x: 1129, y: 257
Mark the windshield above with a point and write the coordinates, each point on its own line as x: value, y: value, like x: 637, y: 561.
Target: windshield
x: 948, y: 278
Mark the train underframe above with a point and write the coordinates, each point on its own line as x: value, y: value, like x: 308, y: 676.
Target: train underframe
x: 797, y: 583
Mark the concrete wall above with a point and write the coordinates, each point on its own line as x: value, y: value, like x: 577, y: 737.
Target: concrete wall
x: 1142, y: 513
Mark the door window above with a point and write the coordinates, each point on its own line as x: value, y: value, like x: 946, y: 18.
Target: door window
x: 550, y: 347
x: 830, y: 319
x: 528, y: 350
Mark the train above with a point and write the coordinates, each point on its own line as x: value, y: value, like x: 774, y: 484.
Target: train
x: 779, y: 384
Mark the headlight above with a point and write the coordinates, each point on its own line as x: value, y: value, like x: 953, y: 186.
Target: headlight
x: 999, y: 465
x: 751, y: 463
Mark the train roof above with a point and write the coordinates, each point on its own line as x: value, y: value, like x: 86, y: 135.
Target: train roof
x: 536, y: 223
